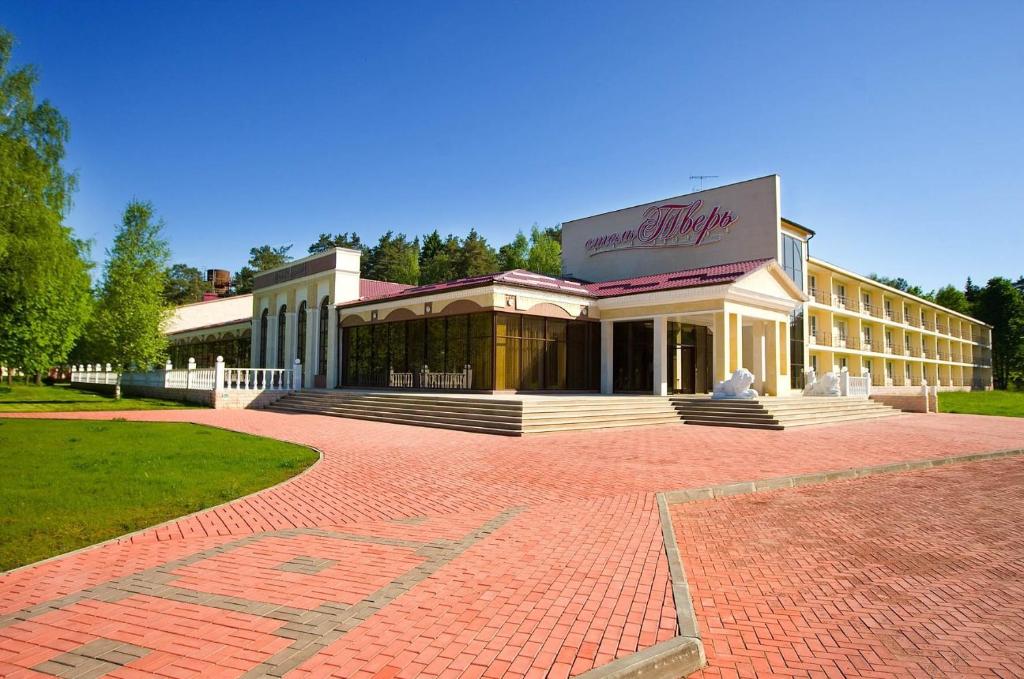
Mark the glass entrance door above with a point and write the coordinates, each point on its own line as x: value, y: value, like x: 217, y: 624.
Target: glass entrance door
x: 633, y: 356
x: 689, y: 358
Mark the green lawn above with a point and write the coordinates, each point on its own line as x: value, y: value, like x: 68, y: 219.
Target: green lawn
x: 22, y: 398
x: 67, y: 484
x: 1008, y: 403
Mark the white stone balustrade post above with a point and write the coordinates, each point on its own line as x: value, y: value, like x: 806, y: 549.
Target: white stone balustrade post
x: 218, y: 374
x: 844, y: 383
x: 297, y: 375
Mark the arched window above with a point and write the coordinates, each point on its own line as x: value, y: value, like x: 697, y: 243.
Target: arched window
x: 321, y: 358
x: 281, y: 338
x: 263, y: 338
x: 300, y: 344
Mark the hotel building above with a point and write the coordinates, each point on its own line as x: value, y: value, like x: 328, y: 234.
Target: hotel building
x: 665, y: 297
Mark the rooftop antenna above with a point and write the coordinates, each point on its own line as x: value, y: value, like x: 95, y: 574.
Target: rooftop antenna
x: 702, y: 177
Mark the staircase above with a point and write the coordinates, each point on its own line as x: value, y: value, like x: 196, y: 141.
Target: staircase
x: 566, y: 413
x: 505, y: 416
x: 778, y: 413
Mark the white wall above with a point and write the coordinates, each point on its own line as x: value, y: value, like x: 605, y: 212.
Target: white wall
x: 203, y: 314
x: 659, y: 247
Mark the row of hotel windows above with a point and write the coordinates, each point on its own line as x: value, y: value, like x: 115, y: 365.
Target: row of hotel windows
x: 965, y: 378
x: 867, y: 339
x: 505, y: 351
x: 866, y: 305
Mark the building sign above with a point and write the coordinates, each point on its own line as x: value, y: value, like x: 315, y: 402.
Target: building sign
x: 669, y: 225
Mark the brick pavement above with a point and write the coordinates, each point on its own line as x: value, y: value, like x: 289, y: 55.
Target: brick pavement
x: 421, y: 552
x: 909, y: 575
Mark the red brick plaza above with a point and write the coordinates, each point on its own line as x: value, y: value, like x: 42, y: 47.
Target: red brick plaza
x: 416, y: 552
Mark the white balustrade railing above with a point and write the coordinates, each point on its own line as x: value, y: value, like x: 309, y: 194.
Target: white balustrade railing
x: 271, y: 379
x: 854, y: 386
x: 199, y: 379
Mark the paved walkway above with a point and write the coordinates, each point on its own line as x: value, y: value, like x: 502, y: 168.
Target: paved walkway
x: 419, y: 552
x: 907, y: 575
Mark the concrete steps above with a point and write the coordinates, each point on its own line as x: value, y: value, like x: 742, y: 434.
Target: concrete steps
x: 509, y: 417
x: 516, y: 416
x: 778, y: 413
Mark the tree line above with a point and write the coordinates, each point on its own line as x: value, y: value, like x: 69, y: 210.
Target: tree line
x: 1000, y: 303
x: 51, y: 313
x: 397, y: 258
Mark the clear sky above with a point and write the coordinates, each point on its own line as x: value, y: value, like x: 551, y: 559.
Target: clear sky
x: 897, y: 128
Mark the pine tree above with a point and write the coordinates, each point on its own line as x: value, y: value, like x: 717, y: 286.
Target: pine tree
x: 438, y: 257
x: 394, y: 259
x: 514, y: 255
x: 1002, y: 306
x: 185, y: 285
x: 476, y: 257
x: 260, y: 259
x: 342, y: 240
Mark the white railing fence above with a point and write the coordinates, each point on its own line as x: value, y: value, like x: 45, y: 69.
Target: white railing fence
x: 854, y: 386
x: 199, y: 379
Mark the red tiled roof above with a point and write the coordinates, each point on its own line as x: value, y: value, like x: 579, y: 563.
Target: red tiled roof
x: 378, y: 291
x: 691, y: 278
x: 517, y: 277
x: 370, y: 290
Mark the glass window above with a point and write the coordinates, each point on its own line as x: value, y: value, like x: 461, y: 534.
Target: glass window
x: 555, y: 359
x: 508, y: 338
x: 300, y: 344
x: 533, y: 352
x: 457, y: 350
x: 416, y: 335
x: 263, y: 338
x: 481, y: 347
x: 796, y: 349
x: 793, y: 258
x: 435, y: 344
x: 378, y: 354
x: 396, y: 347
x: 282, y: 338
x: 321, y: 358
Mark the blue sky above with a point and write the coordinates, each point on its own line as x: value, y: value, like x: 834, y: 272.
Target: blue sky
x: 896, y: 127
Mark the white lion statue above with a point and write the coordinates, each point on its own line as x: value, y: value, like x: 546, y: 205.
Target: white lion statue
x: 828, y: 385
x: 737, y: 386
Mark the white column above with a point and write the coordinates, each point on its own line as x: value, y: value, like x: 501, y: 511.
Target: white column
x: 660, y: 356
x: 607, y: 346
x: 312, y: 337
x: 254, y: 344
x: 758, y: 359
x: 271, y: 342
x: 333, y: 343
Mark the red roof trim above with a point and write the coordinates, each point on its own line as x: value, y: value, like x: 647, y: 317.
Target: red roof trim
x: 719, y: 274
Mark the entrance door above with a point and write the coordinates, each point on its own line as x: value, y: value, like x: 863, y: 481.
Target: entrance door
x: 688, y: 370
x: 689, y: 358
x: 633, y: 356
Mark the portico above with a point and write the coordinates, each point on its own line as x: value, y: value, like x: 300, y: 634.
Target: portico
x: 698, y: 336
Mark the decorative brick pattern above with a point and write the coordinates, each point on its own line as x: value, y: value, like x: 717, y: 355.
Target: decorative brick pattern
x: 454, y: 553
x: 94, y: 659
x: 905, y: 575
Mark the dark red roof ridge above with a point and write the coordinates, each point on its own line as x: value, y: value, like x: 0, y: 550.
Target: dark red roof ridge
x: 716, y: 274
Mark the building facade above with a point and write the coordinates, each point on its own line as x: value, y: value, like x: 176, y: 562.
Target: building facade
x: 665, y: 297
